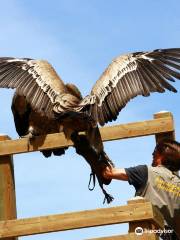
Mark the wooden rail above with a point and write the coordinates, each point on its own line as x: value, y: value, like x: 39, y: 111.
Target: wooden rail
x: 137, y: 213
x: 130, y: 236
x: 161, y: 125
x: 68, y: 221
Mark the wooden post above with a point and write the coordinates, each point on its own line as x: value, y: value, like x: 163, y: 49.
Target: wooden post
x: 7, y: 188
x: 145, y: 224
x: 166, y: 135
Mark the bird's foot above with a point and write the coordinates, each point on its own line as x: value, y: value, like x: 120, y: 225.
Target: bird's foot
x: 100, y: 165
x: 30, y: 136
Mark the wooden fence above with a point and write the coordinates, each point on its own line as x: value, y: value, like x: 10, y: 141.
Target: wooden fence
x: 137, y: 212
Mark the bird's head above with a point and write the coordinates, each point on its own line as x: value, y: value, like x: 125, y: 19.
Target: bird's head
x: 65, y: 102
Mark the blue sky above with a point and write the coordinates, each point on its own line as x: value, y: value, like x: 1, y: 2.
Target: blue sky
x: 80, y: 38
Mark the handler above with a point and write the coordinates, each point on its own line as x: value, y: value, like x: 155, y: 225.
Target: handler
x: 158, y: 183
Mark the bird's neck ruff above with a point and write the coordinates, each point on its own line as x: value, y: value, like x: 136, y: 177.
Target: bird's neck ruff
x: 65, y: 102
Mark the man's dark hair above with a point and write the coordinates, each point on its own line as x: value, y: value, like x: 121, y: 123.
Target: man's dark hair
x: 170, y: 150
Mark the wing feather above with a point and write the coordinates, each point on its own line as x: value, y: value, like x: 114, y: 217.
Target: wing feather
x: 162, y: 79
x: 150, y: 72
x: 145, y: 88
x: 152, y: 85
x: 128, y: 76
x: 35, y: 79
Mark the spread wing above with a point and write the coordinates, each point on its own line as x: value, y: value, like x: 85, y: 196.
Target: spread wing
x: 35, y: 79
x: 130, y: 75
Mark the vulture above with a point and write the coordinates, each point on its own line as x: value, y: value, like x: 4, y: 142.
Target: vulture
x: 44, y: 104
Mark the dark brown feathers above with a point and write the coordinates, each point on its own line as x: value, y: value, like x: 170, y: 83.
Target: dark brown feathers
x: 36, y: 80
x: 130, y: 75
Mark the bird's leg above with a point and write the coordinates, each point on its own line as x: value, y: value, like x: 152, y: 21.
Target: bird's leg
x: 30, y: 136
x: 97, y: 161
x: 94, y: 138
x: 67, y: 129
x: 95, y: 141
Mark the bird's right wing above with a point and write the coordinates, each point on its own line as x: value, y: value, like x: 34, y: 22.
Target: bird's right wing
x: 128, y: 76
x: 35, y: 79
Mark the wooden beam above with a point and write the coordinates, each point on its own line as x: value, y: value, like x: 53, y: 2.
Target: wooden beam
x: 130, y: 130
x: 76, y: 220
x: 7, y: 188
x: 130, y: 236
x: 165, y: 135
x: 144, y: 224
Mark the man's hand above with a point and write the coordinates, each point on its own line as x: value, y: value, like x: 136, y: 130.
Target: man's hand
x: 107, y: 173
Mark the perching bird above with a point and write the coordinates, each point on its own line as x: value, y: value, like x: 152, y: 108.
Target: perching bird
x: 44, y: 104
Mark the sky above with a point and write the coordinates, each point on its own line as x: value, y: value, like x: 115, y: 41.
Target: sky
x: 80, y: 38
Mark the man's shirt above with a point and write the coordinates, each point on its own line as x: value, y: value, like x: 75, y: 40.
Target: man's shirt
x: 137, y: 176
x: 161, y: 187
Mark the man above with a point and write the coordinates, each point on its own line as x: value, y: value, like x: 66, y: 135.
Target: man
x: 158, y: 183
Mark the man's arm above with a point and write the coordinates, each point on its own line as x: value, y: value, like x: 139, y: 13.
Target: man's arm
x: 136, y: 176
x: 115, y: 173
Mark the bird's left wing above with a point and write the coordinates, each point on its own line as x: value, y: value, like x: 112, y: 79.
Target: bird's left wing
x: 35, y: 79
x: 130, y: 75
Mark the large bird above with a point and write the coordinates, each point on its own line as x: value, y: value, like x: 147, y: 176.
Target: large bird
x: 44, y: 104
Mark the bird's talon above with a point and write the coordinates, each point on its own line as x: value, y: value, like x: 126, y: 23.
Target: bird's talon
x: 29, y: 135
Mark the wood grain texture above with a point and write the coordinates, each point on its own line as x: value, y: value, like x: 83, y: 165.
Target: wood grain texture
x: 7, y: 188
x: 76, y: 220
x: 156, y: 224
x: 130, y: 236
x: 165, y: 135
x: 136, y: 129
